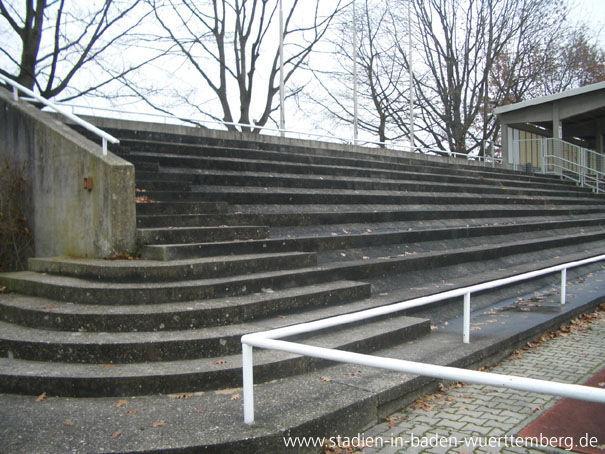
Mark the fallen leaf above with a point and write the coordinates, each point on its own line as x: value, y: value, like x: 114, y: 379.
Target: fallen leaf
x: 116, y: 434
x: 236, y: 396
x: 107, y: 366
x: 326, y: 379
x: 197, y: 410
x: 392, y: 421
x: 159, y: 423
x: 219, y: 362
x: 353, y: 374
x: 184, y: 396
x: 121, y: 403
x: 69, y: 422
x: 41, y: 397
x: 131, y: 412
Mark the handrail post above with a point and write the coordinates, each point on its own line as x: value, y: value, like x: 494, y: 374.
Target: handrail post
x: 104, y: 145
x: 248, y: 383
x: 563, y: 285
x: 15, y: 94
x: 466, y: 329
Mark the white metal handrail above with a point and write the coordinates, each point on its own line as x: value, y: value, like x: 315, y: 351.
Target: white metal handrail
x: 270, y: 340
x: 581, y: 165
x: 583, y: 174
x: 105, y: 137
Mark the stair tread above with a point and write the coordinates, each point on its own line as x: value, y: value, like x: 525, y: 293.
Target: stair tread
x: 146, y: 269
x: 60, y: 308
x: 332, y: 339
x: 329, y: 162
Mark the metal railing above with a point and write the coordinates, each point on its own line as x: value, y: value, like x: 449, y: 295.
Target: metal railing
x: 270, y: 340
x: 105, y: 137
x: 581, y: 165
x: 395, y: 145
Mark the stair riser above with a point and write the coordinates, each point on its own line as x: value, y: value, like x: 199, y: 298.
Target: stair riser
x: 173, y: 272
x: 328, y: 183
x: 145, y: 175
x: 302, y: 219
x: 150, y: 209
x: 364, y: 170
x: 203, y: 381
x: 210, y: 234
x: 186, y: 319
x: 292, y: 198
x: 161, y: 186
x: 378, y: 163
x: 352, y: 241
x: 166, y: 293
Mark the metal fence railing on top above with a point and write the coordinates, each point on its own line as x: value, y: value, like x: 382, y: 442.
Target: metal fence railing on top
x: 555, y: 156
x: 105, y: 137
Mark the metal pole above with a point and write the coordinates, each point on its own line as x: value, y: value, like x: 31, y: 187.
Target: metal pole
x: 411, y: 73
x: 466, y: 333
x: 563, y: 286
x: 248, y: 383
x: 355, y: 113
x: 282, y: 115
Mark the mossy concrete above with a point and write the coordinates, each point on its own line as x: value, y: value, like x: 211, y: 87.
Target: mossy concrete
x: 66, y: 218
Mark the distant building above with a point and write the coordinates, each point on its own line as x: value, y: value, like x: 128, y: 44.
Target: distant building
x: 560, y: 133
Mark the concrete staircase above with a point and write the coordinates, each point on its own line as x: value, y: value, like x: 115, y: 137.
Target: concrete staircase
x: 238, y: 236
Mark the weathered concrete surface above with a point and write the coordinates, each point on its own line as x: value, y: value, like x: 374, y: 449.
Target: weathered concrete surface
x: 67, y: 219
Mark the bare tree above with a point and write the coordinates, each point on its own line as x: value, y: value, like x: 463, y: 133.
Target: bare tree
x: 557, y: 62
x: 57, y: 39
x: 231, y: 45
x: 382, y: 81
x: 460, y: 43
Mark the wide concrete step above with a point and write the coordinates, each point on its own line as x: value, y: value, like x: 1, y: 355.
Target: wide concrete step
x: 363, y: 169
x: 365, y: 160
x: 160, y: 175
x: 305, y: 215
x: 83, y: 291
x: 288, y: 196
x: 200, y: 374
x: 177, y: 270
x: 200, y: 234
x: 340, y: 238
x: 414, y: 183
x: 162, y: 185
x: 45, y: 313
x: 179, y: 208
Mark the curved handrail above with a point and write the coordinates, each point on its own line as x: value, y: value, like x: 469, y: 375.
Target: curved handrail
x: 105, y: 137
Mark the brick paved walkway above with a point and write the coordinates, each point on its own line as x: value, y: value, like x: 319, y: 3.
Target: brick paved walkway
x: 477, y: 412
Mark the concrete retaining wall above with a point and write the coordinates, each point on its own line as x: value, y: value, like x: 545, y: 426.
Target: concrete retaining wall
x: 66, y: 218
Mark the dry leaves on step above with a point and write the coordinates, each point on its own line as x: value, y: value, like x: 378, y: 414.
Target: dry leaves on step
x: 159, y: 423
x: 41, y: 397
x: 121, y: 403
x: 116, y: 434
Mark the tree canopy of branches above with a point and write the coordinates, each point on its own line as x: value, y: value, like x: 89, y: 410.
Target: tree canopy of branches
x: 469, y: 57
x: 53, y: 40
x: 232, y: 47
x: 382, y: 81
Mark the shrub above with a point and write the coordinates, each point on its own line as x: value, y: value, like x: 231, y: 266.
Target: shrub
x: 16, y: 238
